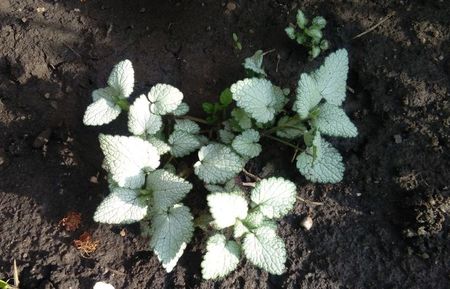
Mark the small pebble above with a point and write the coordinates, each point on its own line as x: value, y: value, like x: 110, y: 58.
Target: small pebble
x: 307, y: 223
x: 142, y: 10
x: 47, y: 95
x: 398, y: 138
x: 42, y: 138
x: 40, y: 9
x: 231, y: 6
x: 3, y: 158
x: 93, y: 180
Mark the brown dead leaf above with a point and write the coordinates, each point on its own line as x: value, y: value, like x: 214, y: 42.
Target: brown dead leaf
x: 71, y: 221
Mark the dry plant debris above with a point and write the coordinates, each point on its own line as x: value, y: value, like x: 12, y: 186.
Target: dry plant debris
x: 71, y: 221
x: 86, y: 244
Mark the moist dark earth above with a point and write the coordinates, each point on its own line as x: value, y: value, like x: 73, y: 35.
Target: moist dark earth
x: 386, y: 225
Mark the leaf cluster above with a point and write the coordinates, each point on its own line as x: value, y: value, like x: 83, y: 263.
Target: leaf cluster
x: 139, y: 188
x: 308, y: 34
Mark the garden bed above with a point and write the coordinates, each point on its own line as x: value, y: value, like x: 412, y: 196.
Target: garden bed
x: 383, y: 226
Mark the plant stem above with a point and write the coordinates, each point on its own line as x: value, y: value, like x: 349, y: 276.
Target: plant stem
x: 281, y: 141
x: 255, y: 177
x: 193, y: 118
x: 309, y: 202
x: 278, y: 127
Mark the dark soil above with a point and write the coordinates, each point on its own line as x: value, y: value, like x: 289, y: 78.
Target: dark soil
x: 385, y: 226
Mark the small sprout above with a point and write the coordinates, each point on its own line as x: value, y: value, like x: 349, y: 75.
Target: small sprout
x: 237, y: 43
x: 85, y: 244
x: 308, y: 36
x: 71, y: 221
x: 306, y: 223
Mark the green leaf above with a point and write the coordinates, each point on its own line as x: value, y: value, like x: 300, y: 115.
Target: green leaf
x: 168, y: 189
x: 141, y: 120
x: 160, y: 145
x: 257, y: 97
x: 127, y: 158
x: 254, y: 63
x: 308, y: 95
x: 217, y: 164
x: 246, y: 144
x: 274, y: 197
x: 254, y: 219
x: 186, y: 125
x: 290, y: 31
x: 102, y: 111
x: 208, y: 107
x: 290, y: 127
x: 327, y: 167
x: 314, y: 52
x: 302, y: 21
x: 319, y: 22
x: 183, y: 143
x: 242, y: 118
x: 121, y: 79
x: 265, y: 250
x: 315, y: 33
x: 172, y: 231
x: 279, y: 99
x: 324, y: 45
x: 226, y: 97
x: 182, y: 109
x: 121, y: 206
x: 333, y: 121
x: 226, y: 208
x: 239, y: 229
x: 164, y: 99
x: 221, y: 257
x: 226, y: 136
x: 331, y: 77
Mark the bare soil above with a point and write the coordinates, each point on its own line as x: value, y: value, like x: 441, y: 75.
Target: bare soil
x: 385, y: 226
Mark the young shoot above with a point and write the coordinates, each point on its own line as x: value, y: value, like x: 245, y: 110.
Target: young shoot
x: 309, y: 35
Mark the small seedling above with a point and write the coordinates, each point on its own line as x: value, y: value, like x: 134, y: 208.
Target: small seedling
x: 216, y: 110
x: 237, y: 42
x: 309, y: 36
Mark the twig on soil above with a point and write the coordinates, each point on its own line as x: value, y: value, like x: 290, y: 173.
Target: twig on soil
x: 278, y: 62
x: 309, y: 202
x: 255, y: 177
x: 116, y: 271
x: 268, y: 51
x: 71, y: 49
x: 295, y: 153
x: 16, y: 274
x: 249, y: 185
x: 375, y: 26
x: 350, y: 89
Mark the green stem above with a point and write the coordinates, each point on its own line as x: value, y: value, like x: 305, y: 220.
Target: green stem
x: 193, y: 118
x: 278, y: 127
x: 281, y: 141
